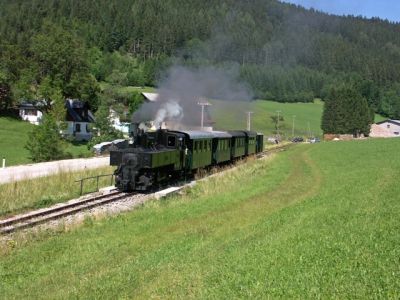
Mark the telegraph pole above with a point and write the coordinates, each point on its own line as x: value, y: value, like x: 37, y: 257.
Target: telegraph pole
x: 203, y: 103
x: 249, y: 120
x: 277, y: 123
x: 293, y: 125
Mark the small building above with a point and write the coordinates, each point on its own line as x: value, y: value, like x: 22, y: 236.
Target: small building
x: 78, y: 120
x: 386, y: 129
x: 150, y: 97
x: 118, y: 124
x: 30, y: 112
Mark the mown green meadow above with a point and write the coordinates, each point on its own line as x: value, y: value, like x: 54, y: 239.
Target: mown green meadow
x: 315, y: 221
x: 306, y: 116
x: 14, y: 134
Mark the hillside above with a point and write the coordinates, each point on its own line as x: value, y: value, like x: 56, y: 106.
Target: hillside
x: 14, y: 134
x: 283, y: 52
x: 307, y: 120
x: 318, y: 220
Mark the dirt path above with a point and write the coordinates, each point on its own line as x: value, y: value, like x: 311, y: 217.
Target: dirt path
x: 17, y: 173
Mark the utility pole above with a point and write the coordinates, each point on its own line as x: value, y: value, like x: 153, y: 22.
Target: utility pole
x: 293, y: 125
x: 249, y: 120
x: 277, y: 123
x: 203, y: 103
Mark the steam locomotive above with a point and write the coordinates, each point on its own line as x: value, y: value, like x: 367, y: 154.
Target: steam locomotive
x: 160, y: 156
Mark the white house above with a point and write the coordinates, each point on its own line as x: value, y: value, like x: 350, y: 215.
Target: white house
x: 78, y: 120
x: 387, y: 128
x: 30, y: 112
x: 117, y: 124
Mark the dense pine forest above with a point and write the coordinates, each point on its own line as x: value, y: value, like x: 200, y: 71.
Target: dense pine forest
x: 74, y: 48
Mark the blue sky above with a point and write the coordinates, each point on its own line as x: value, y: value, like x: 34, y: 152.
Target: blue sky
x: 385, y: 9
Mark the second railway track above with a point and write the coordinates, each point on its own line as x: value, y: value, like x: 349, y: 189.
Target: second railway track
x: 44, y: 215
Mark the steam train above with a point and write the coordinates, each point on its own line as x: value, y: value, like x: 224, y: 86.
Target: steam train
x: 160, y: 156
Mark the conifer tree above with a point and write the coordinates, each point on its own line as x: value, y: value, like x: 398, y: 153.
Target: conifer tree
x: 45, y: 143
x: 346, y: 112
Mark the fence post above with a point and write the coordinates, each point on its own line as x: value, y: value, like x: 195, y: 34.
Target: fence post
x: 81, y: 186
x: 112, y: 179
x: 97, y: 183
x: 4, y: 162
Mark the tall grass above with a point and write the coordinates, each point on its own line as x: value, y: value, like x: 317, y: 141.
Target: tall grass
x: 44, y: 191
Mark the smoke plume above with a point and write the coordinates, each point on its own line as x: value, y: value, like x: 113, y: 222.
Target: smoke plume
x: 182, y: 89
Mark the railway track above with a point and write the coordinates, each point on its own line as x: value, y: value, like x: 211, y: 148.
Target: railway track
x: 45, y: 215
x: 274, y: 150
x: 41, y: 216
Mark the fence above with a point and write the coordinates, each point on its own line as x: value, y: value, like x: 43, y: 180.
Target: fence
x: 82, y: 180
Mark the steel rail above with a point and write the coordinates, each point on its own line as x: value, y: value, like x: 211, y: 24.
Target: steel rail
x: 44, y: 215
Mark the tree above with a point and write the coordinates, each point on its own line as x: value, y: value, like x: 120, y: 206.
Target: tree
x: 44, y: 143
x: 58, y: 63
x: 103, y: 130
x: 346, y: 112
x: 276, y: 121
x: 5, y: 92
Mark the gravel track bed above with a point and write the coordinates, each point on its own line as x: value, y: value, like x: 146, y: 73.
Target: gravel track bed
x: 69, y: 222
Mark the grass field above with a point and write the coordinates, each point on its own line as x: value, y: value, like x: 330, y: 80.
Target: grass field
x: 307, y: 120
x: 45, y: 191
x: 14, y: 134
x: 316, y: 221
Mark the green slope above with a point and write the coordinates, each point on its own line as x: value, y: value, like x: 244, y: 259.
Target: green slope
x: 228, y: 115
x: 318, y: 221
x: 14, y: 134
x: 13, y: 137
x: 307, y: 120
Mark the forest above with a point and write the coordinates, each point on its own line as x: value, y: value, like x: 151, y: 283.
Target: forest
x: 85, y: 48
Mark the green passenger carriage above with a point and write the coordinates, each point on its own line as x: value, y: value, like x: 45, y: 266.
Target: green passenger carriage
x: 163, y: 155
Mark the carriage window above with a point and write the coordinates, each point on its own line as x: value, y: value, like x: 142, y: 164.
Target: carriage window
x: 195, y: 146
x: 171, y: 141
x: 201, y: 146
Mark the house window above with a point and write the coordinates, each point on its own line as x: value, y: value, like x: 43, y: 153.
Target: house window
x: 396, y: 133
x: 30, y: 112
x: 171, y: 140
x: 87, y: 128
x: 78, y: 127
x: 388, y: 125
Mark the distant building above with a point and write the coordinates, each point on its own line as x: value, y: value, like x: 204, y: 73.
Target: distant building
x: 386, y: 129
x: 150, y: 97
x: 78, y: 120
x: 30, y: 112
x: 117, y: 124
